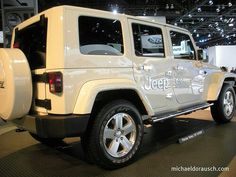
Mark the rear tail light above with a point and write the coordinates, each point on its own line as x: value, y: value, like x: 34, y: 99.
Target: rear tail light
x: 55, y: 82
x: 16, y: 45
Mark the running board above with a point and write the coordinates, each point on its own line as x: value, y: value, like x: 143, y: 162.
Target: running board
x: 185, y: 111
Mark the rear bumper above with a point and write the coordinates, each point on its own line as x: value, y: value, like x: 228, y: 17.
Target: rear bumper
x: 54, y: 126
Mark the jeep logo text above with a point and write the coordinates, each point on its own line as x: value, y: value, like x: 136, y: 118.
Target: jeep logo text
x: 154, y: 84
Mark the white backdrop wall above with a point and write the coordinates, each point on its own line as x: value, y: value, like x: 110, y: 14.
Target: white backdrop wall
x: 222, y: 56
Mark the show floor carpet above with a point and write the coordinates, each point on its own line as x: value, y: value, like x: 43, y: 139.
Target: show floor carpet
x: 22, y: 156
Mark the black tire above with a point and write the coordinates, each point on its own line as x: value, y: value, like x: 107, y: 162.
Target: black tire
x: 48, y: 141
x: 223, y: 109
x: 125, y: 140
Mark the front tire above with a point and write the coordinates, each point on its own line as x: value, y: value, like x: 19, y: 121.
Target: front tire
x: 223, y: 109
x: 116, y: 135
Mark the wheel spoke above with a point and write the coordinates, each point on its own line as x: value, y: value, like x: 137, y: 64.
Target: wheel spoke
x: 114, y: 147
x: 231, y: 100
x: 119, y: 121
x: 227, y: 110
x: 128, y: 128
x: 227, y: 95
x: 230, y: 109
x: 225, y: 102
x: 126, y: 144
x: 109, y: 133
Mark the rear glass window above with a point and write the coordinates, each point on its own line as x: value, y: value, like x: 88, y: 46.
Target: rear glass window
x: 32, y: 41
x: 99, y: 36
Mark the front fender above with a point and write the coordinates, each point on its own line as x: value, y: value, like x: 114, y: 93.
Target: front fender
x: 216, y: 81
x: 90, y: 89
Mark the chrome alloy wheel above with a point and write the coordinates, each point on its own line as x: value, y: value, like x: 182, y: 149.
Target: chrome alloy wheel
x: 228, y: 103
x: 119, y: 135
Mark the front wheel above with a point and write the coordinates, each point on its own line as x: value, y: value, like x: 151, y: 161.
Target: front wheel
x: 223, y: 109
x: 116, y: 135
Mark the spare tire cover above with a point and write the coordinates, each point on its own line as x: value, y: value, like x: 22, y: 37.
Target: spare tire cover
x: 15, y: 84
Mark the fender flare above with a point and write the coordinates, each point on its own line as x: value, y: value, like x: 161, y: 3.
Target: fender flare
x: 216, y: 81
x: 89, y: 91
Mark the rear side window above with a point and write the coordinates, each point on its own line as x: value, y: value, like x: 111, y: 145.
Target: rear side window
x: 32, y: 41
x: 99, y: 36
x: 148, y: 40
x: 182, y: 46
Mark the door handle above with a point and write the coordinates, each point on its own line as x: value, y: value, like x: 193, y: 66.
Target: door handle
x: 168, y: 73
x: 178, y: 68
x: 202, y: 72
x: 145, y: 67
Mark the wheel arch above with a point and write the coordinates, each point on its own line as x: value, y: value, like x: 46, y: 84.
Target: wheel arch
x: 102, y: 91
x: 130, y: 95
x: 217, y: 80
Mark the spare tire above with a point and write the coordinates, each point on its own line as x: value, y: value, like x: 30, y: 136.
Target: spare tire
x: 15, y: 84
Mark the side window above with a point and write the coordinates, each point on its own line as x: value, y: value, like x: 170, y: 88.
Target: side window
x: 98, y: 36
x: 148, y: 40
x: 182, y: 46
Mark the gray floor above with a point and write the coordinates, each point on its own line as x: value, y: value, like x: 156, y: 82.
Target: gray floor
x: 20, y: 155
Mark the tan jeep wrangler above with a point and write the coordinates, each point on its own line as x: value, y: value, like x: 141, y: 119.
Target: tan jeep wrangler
x: 80, y: 72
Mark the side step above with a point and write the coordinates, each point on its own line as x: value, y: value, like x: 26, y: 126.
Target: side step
x: 178, y: 113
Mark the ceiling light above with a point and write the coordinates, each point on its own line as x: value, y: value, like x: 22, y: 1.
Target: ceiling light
x: 181, y: 20
x: 210, y: 2
x: 195, y: 31
x: 231, y: 24
x: 176, y: 24
x: 144, y: 12
x: 192, y: 22
x: 197, y: 35
x: 172, y: 6
x: 189, y: 15
x: 155, y: 13
x: 230, y: 4
x: 218, y: 10
x: 199, y: 9
x: 202, y: 19
x: 209, y: 35
x: 222, y: 35
x: 114, y: 11
x: 167, y: 6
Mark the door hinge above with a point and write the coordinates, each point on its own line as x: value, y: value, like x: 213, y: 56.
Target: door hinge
x: 43, y: 103
x: 40, y: 77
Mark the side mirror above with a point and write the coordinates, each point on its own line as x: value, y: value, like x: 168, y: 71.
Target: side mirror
x: 200, y: 54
